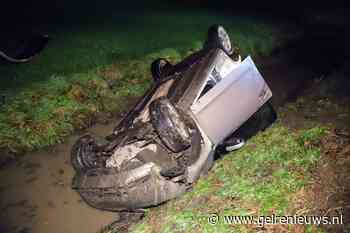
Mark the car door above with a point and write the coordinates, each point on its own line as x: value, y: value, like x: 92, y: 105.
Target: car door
x: 233, y: 99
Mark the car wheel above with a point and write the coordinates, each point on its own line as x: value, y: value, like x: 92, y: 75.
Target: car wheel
x: 170, y: 125
x: 160, y: 68
x: 85, y: 153
x: 219, y: 38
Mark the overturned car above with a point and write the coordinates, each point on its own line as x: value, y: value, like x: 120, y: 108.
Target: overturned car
x: 207, y: 104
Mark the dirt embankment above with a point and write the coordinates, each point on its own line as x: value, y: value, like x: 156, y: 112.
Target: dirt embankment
x: 329, y: 192
x: 327, y: 103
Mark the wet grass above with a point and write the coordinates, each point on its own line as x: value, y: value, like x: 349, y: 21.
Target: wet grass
x: 44, y: 113
x: 88, y: 68
x: 259, y: 179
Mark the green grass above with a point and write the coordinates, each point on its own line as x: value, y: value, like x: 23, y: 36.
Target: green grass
x: 67, y: 85
x: 44, y: 113
x: 259, y: 179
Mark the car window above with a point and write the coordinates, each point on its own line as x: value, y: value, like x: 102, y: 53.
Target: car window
x: 231, y: 101
x: 222, y: 67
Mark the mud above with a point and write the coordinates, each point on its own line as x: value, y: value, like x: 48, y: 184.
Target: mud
x: 328, y: 191
x: 331, y: 182
x: 321, y: 103
x: 36, y: 194
x: 287, y: 79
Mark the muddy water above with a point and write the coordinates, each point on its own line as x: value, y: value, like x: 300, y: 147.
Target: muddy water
x: 36, y: 194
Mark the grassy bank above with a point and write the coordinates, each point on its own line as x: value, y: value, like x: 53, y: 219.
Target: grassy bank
x: 260, y: 179
x: 89, y: 68
x: 299, y: 166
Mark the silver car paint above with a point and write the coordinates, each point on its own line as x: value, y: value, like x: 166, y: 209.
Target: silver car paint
x: 231, y: 101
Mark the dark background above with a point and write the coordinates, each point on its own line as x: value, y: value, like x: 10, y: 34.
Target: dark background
x: 324, y: 23
x: 31, y: 11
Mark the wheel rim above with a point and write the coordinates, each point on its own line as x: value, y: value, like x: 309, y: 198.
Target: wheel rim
x: 224, y: 38
x: 182, y: 129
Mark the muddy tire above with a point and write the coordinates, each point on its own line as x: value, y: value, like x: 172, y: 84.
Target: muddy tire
x: 85, y: 153
x: 268, y: 116
x: 160, y: 68
x: 170, y: 125
x: 219, y: 38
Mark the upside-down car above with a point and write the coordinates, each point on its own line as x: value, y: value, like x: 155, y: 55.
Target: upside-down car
x: 207, y: 104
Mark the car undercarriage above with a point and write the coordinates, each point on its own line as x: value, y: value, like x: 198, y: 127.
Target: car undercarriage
x: 173, y: 134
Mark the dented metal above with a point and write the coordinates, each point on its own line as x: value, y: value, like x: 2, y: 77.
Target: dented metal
x: 162, y: 147
x: 125, y: 153
x: 241, y: 89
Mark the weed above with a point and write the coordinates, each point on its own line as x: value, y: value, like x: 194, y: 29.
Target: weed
x: 259, y: 179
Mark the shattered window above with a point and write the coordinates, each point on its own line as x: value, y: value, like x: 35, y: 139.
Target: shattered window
x: 223, y: 66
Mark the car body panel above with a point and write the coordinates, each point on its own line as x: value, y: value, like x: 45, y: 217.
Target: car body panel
x: 129, y: 181
x: 243, y: 89
x: 221, y: 66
